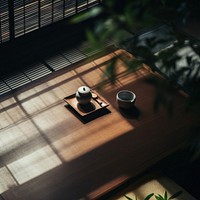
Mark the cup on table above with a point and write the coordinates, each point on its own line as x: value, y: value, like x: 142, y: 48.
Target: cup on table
x: 125, y: 99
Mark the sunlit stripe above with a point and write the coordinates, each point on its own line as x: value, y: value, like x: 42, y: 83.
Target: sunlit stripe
x: 34, y: 164
x: 6, y: 180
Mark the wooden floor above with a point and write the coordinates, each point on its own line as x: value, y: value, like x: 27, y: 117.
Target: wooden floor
x: 47, y: 153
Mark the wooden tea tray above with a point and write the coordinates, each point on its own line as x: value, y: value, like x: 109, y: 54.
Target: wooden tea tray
x: 97, y: 103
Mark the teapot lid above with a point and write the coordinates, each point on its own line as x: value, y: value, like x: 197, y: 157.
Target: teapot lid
x: 84, y: 90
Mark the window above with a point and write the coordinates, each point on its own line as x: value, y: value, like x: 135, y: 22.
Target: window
x: 23, y: 16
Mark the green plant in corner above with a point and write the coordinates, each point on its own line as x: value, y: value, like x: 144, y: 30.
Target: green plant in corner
x: 158, y: 196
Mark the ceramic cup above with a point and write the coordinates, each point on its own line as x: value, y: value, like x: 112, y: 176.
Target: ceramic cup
x: 125, y: 99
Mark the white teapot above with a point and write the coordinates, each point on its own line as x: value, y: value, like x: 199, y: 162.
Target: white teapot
x: 83, y: 95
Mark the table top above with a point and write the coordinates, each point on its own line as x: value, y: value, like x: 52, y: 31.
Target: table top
x: 49, y: 153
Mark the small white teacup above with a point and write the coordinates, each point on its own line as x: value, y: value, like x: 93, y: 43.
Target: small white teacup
x: 125, y: 99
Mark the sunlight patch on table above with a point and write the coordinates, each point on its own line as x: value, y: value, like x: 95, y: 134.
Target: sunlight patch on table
x: 6, y: 180
x: 34, y: 164
x: 16, y: 136
x: 10, y: 112
x: 89, y: 74
x: 83, y: 140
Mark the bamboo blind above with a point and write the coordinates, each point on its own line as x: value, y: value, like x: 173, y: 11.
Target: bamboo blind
x: 23, y: 16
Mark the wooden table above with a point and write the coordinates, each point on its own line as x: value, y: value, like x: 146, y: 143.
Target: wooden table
x: 47, y: 153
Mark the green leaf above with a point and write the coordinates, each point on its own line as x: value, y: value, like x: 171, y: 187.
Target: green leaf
x: 111, y: 70
x: 128, y: 197
x: 165, y: 195
x: 79, y: 18
x: 84, y: 16
x: 176, y: 195
x: 159, y: 197
x: 91, y: 37
x: 149, y: 196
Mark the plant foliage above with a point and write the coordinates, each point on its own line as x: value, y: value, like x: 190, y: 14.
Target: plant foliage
x: 158, y: 196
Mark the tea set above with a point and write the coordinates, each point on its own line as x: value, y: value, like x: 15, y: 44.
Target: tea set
x: 124, y: 98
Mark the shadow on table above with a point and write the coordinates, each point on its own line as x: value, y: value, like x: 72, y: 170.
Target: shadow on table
x: 131, y: 113
x: 91, y: 116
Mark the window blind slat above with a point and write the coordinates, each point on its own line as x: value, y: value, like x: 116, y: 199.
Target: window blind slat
x: 30, y: 15
x: 4, y: 21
